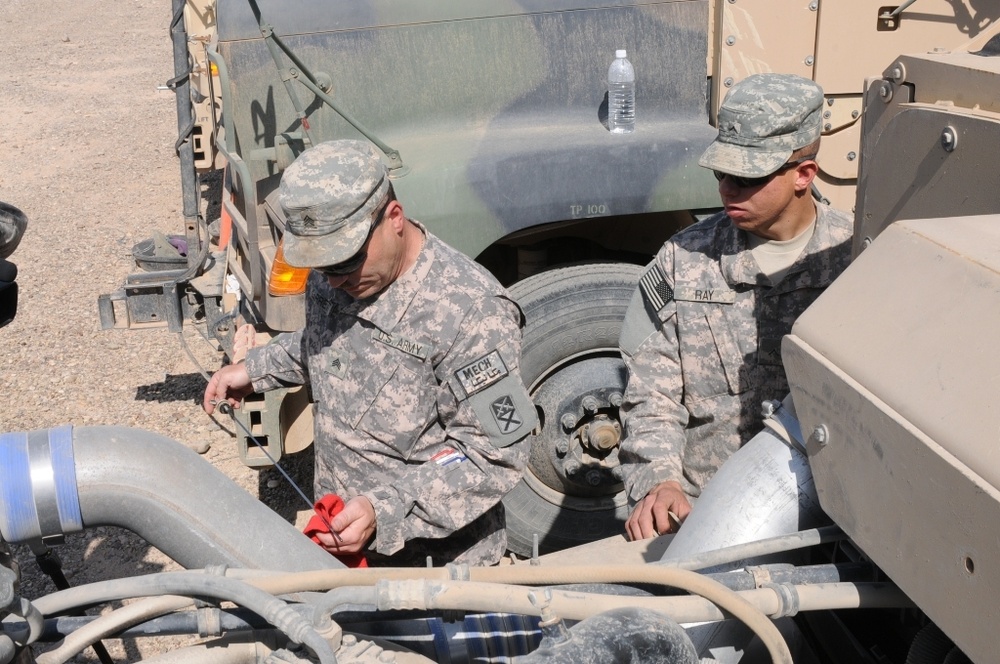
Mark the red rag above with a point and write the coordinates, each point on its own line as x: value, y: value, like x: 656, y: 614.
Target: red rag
x: 329, y: 506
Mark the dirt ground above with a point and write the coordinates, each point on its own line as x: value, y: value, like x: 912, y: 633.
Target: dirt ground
x: 88, y: 154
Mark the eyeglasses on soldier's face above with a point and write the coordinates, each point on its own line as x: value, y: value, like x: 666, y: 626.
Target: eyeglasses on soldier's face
x: 352, y: 264
x: 749, y: 183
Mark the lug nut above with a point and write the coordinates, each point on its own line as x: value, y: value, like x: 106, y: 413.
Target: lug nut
x: 593, y: 477
x: 568, y: 420
x: 571, y: 466
x: 590, y: 404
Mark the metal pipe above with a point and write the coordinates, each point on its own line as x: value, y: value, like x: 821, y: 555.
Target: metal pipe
x: 764, y: 490
x: 62, y: 480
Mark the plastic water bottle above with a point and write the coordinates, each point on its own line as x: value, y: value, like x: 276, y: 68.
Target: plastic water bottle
x: 621, y: 95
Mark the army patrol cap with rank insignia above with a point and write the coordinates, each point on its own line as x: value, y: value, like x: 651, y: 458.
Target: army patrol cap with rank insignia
x: 762, y: 120
x: 330, y: 196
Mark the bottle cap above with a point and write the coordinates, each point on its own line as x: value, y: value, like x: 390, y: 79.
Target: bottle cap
x: 620, y: 53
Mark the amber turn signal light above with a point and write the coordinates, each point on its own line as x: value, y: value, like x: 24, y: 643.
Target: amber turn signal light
x: 285, y: 279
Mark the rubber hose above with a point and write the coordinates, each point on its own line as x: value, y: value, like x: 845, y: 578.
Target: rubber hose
x: 149, y: 616
x: 113, y: 623
x: 438, y: 595
x: 26, y: 632
x: 274, y: 610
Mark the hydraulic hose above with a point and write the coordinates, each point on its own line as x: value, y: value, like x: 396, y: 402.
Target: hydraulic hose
x: 150, y: 616
x: 514, y: 599
x: 272, y: 609
x: 113, y: 623
x: 219, y: 651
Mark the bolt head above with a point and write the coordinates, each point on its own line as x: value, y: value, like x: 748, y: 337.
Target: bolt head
x: 568, y: 421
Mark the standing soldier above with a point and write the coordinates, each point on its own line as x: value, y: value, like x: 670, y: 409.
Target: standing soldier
x: 702, y: 336
x: 412, y: 353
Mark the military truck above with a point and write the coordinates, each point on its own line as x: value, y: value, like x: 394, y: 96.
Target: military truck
x: 492, y: 117
x: 861, y: 526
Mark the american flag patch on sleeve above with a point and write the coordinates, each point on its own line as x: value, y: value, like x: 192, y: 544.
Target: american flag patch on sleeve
x: 655, y: 288
x: 448, y: 456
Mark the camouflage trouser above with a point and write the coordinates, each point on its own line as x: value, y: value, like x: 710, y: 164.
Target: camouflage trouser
x: 481, y: 542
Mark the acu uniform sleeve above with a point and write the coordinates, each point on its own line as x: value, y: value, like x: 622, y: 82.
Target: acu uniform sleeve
x: 284, y: 361
x: 280, y: 363
x: 653, y: 410
x: 487, y: 415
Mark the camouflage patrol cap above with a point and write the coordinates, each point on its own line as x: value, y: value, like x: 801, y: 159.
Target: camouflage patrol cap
x: 762, y: 120
x: 330, y: 196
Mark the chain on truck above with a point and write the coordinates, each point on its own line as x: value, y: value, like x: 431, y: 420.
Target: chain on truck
x: 492, y: 117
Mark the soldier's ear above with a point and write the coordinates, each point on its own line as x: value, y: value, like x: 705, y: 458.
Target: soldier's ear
x: 394, y: 216
x: 805, y: 173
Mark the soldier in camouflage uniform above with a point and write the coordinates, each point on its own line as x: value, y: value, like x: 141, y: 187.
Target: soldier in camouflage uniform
x: 412, y: 353
x: 702, y: 335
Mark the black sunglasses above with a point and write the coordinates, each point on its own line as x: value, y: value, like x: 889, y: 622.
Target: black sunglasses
x: 748, y: 183
x: 357, y: 260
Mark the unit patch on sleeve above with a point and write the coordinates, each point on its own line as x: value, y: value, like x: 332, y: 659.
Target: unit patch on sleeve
x: 506, y: 415
x: 655, y: 288
x: 480, y: 374
x: 409, y: 347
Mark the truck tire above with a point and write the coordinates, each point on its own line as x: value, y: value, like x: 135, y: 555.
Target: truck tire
x: 571, y: 492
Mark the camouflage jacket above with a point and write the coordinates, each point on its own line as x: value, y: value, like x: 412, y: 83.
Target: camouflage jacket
x: 419, y: 404
x: 702, y: 344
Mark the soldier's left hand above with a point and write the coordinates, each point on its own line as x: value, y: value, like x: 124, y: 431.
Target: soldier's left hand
x: 355, y: 524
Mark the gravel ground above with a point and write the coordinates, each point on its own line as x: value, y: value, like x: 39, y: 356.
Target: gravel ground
x: 88, y: 156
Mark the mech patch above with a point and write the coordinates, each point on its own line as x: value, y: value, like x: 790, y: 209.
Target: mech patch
x: 481, y: 373
x: 335, y: 366
x: 712, y: 295
x: 655, y: 288
x: 401, y: 343
x: 506, y: 415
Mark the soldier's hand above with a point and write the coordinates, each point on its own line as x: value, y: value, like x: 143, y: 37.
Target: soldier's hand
x: 230, y: 383
x: 654, y: 514
x: 355, y: 524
